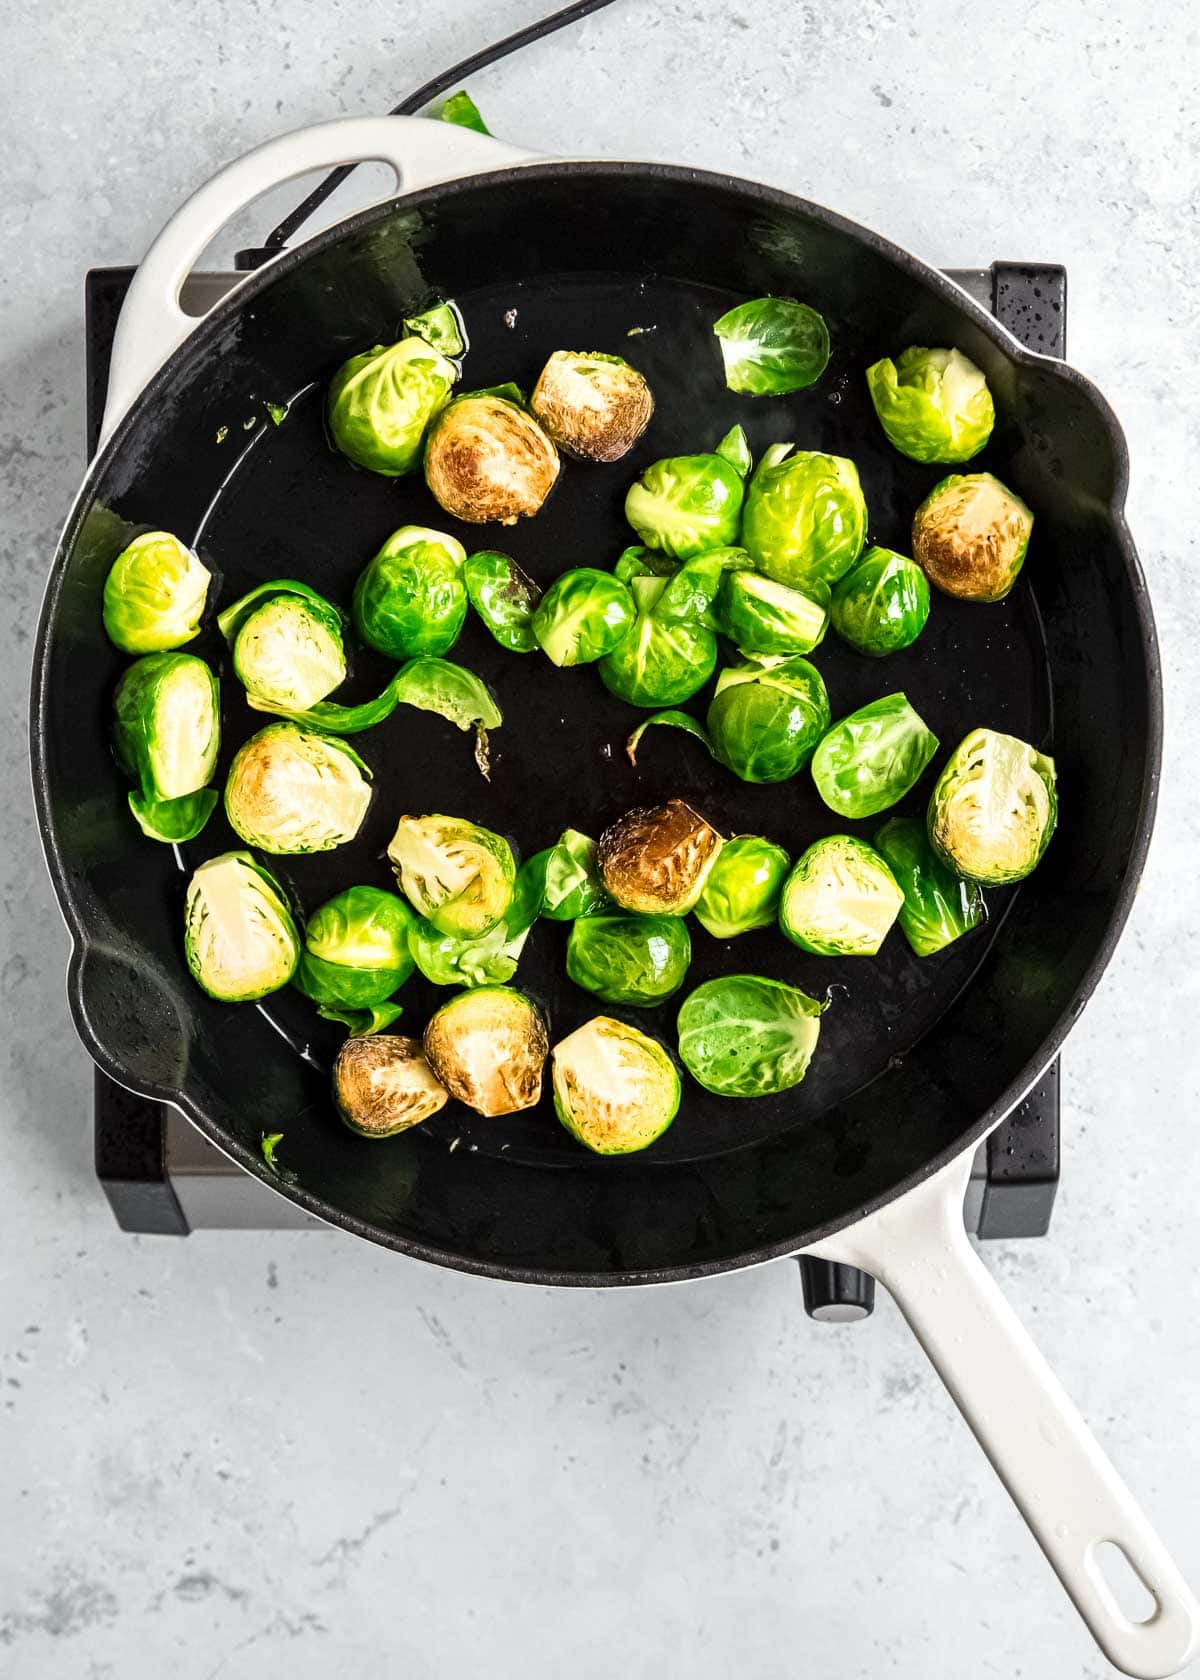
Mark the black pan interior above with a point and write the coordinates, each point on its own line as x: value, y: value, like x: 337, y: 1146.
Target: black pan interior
x: 913, y: 1053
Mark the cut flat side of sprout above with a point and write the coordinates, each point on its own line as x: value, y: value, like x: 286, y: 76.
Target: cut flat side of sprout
x: 656, y: 858
x: 594, y: 406
x: 383, y: 1085
x: 458, y: 875
x: 970, y: 536
x: 487, y: 459
x: 488, y: 1047
x: 994, y: 808
x: 840, y: 899
x: 240, y: 940
x: 615, y: 1088
x: 293, y: 791
x: 287, y: 655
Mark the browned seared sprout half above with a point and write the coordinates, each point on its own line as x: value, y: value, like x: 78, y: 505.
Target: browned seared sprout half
x: 656, y: 859
x: 488, y: 1047
x: 594, y: 406
x: 384, y: 1085
x: 970, y: 535
x: 487, y: 459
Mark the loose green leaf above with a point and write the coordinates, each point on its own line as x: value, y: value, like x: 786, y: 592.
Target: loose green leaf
x: 270, y: 1143
x: 441, y: 326
x: 670, y: 720
x: 460, y: 108
x: 772, y: 345
x: 453, y: 692
x: 734, y: 447
x: 939, y: 905
x: 363, y: 1022
x: 571, y: 884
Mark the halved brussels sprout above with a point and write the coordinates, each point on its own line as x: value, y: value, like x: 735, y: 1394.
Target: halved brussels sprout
x: 458, y: 875
x: 239, y: 937
x: 840, y: 899
x: 582, y: 616
x: 805, y: 520
x: 445, y: 959
x: 772, y: 345
x: 154, y: 594
x: 292, y: 791
x: 488, y: 1048
x: 594, y: 406
x: 167, y: 732
x: 658, y: 663
x: 767, y: 716
x: 356, y: 949
x: 570, y: 876
x: 939, y: 905
x: 412, y: 599
x: 746, y: 1036
x: 934, y: 405
x: 763, y: 616
x: 871, y: 759
x: 615, y: 1089
x: 384, y: 1085
x: 381, y: 402
x: 686, y: 504
x: 638, y: 960
x: 656, y: 858
x: 994, y: 808
x: 743, y: 887
x: 486, y: 458
x: 504, y: 598
x: 287, y: 644
x: 970, y: 536
x: 882, y: 603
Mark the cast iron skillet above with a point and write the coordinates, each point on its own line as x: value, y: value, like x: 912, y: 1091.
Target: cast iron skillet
x: 917, y: 1059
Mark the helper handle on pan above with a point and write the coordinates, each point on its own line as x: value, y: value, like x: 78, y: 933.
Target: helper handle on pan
x: 1047, y: 1458
x: 421, y: 150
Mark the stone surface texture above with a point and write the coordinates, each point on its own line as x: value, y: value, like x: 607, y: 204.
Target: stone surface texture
x: 263, y: 1455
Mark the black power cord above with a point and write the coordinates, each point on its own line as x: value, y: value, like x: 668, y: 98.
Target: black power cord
x: 433, y: 89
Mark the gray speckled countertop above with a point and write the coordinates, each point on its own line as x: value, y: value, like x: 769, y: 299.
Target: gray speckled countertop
x: 290, y: 1455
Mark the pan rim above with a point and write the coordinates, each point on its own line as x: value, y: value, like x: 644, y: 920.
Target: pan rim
x: 83, y: 939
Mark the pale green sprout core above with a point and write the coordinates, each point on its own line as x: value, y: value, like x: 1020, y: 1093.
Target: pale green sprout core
x: 456, y: 874
x: 840, y: 899
x: 615, y: 1088
x: 240, y: 940
x: 994, y: 808
x: 290, y: 790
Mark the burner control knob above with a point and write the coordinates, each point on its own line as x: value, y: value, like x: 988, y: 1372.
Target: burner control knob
x: 836, y: 1294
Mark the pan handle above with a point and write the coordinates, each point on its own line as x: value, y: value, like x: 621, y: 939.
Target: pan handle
x: 1060, y: 1479
x: 421, y: 150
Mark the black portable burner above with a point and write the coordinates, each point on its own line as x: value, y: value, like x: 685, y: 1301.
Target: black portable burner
x: 162, y: 1177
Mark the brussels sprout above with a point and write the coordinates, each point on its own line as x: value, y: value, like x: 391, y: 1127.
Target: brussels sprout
x: 670, y: 720
x: 763, y: 616
x: 460, y: 108
x: 458, y: 875
x: 872, y: 758
x: 384, y: 1085
x: 690, y: 594
x: 582, y: 616
x: 939, y: 906
x: 594, y: 406
x: 686, y: 504
x: 881, y: 604
x: 767, y: 716
x: 637, y: 960
x: 655, y: 859
x: 381, y: 402
x: 805, y: 521
x: 934, y: 405
x: 441, y: 326
x: 743, y: 887
x: 411, y: 599
x: 659, y: 663
x: 486, y: 458
x: 488, y: 1048
x: 994, y: 808
x: 292, y: 791
x: 642, y: 562
x: 504, y: 598
x: 734, y: 447
x: 615, y: 1089
x: 239, y: 936
x: 491, y: 959
x: 746, y: 1036
x: 970, y: 536
x: 772, y: 345
x: 362, y: 1023
x: 287, y: 644
x: 840, y: 899
x: 167, y: 731
x: 571, y: 884
x: 154, y: 595
x: 356, y: 949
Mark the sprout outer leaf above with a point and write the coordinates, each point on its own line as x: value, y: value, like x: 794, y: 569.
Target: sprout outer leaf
x: 744, y: 1035
x: 504, y: 597
x: 871, y: 759
x: 669, y: 720
x: 939, y: 905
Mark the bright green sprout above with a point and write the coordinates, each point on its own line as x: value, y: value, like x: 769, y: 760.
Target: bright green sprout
x: 772, y: 345
x: 746, y: 1036
x: 154, y: 594
x: 840, y: 899
x: 934, y: 405
x: 871, y: 759
x: 615, y: 1089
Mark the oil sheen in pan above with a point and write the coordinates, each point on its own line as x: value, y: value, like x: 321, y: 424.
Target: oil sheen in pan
x: 297, y: 509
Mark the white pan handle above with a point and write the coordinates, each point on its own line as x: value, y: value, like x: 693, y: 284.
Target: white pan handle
x: 1044, y: 1453
x: 421, y: 150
